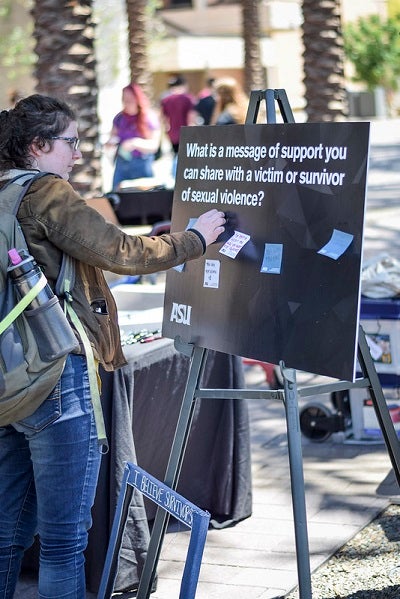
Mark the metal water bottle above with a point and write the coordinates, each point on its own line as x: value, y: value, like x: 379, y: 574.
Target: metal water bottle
x: 53, y: 333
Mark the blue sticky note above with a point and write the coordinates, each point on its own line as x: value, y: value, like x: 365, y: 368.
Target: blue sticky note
x: 190, y: 224
x: 337, y: 245
x: 179, y: 267
x: 272, y: 261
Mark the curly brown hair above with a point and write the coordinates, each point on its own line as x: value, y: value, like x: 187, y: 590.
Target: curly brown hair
x: 36, y: 118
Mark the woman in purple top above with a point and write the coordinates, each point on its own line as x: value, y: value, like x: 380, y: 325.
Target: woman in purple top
x: 136, y: 133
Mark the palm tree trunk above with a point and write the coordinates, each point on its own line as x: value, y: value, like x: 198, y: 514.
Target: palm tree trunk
x: 254, y: 75
x: 65, y: 67
x: 137, y: 11
x: 324, y: 79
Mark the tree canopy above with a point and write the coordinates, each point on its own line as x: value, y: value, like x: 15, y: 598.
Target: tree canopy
x: 16, y: 44
x: 372, y: 45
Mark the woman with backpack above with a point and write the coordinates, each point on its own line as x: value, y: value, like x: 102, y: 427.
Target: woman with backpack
x: 49, y: 460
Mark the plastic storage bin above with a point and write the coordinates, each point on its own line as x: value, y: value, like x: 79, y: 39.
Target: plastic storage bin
x: 380, y: 320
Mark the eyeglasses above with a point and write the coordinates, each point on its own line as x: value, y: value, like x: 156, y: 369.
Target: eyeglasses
x: 72, y: 141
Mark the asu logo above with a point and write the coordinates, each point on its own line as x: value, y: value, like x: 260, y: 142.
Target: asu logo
x: 180, y: 313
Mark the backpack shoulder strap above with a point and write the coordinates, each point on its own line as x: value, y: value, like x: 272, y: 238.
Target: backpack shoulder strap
x: 66, y: 277
x: 12, y: 193
x: 11, y: 196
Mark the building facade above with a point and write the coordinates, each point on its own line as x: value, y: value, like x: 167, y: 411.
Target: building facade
x: 199, y: 38
x: 203, y: 38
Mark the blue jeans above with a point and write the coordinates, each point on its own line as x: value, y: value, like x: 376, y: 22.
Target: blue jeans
x: 135, y: 168
x: 49, y: 466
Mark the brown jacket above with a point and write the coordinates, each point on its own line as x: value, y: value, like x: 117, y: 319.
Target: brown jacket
x: 55, y: 219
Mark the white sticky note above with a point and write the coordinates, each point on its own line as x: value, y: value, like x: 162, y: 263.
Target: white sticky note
x: 234, y: 244
x: 211, y: 273
x: 337, y: 245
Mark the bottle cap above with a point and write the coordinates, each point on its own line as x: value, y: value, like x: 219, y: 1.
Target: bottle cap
x: 14, y: 256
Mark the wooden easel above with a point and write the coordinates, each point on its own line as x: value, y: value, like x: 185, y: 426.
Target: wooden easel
x: 289, y: 395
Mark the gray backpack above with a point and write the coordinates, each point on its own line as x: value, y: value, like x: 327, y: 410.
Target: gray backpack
x: 25, y: 378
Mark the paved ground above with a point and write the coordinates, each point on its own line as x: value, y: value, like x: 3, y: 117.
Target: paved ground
x: 256, y: 559
x: 382, y: 232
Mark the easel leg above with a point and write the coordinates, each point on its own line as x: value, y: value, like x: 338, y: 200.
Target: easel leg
x: 111, y: 564
x: 173, y: 470
x: 297, y: 481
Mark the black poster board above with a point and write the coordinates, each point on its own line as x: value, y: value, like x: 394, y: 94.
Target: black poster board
x: 288, y: 285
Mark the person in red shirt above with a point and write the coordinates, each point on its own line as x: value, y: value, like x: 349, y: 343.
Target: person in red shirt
x: 178, y: 110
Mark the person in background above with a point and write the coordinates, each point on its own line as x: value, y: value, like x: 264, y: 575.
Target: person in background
x: 136, y: 134
x: 49, y: 461
x: 232, y: 103
x: 178, y: 110
x: 206, y: 102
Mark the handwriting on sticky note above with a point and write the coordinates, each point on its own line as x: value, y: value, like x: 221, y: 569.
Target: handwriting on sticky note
x: 211, y: 274
x: 234, y: 244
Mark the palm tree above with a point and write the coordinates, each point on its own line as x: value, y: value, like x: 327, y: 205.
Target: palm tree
x: 138, y: 12
x: 324, y: 80
x: 254, y: 75
x: 65, y: 67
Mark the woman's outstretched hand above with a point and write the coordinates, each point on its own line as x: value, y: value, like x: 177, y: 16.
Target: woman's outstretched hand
x: 210, y: 225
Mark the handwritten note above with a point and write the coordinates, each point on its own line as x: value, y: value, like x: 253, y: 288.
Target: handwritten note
x: 234, y: 244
